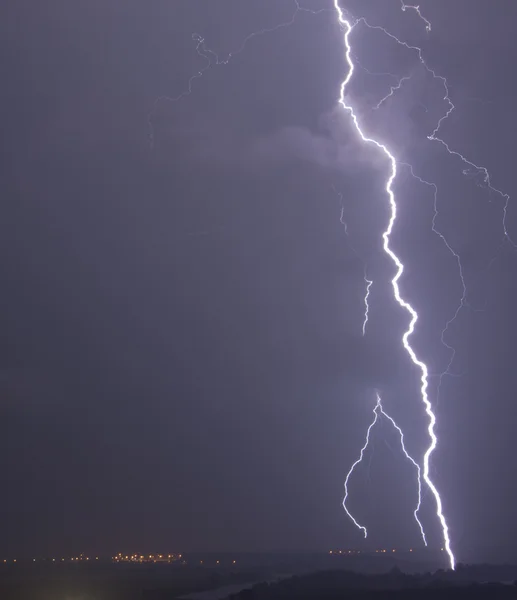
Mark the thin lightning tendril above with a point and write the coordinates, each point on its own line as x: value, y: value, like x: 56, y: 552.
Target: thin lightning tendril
x: 211, y: 59
x: 470, y: 168
x: 416, y: 8
x: 374, y: 73
x: 348, y: 26
x: 352, y: 468
x: 368, y: 282
x: 393, y: 89
x: 379, y: 410
x: 366, y: 305
x: 463, y: 300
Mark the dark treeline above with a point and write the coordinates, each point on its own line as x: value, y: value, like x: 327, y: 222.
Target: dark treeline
x: 334, y: 585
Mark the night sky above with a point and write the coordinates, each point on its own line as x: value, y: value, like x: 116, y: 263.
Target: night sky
x: 182, y: 365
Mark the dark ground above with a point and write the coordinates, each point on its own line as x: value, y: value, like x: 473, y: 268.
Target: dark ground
x: 349, y: 577
x: 344, y: 584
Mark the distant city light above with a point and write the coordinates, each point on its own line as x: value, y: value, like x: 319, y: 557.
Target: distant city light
x: 141, y: 558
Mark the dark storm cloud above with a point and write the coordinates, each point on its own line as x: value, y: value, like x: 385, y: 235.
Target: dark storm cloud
x: 332, y: 145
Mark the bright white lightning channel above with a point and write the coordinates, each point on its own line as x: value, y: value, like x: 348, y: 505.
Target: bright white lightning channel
x: 379, y: 410
x: 348, y: 26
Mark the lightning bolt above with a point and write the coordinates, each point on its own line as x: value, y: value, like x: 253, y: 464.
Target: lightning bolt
x: 479, y: 173
x: 379, y: 410
x: 348, y: 26
x: 463, y: 300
